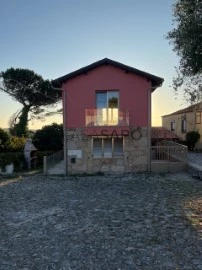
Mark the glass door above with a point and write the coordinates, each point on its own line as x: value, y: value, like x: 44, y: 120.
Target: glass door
x: 107, y: 104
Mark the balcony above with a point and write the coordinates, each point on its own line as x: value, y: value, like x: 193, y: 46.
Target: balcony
x: 106, y: 117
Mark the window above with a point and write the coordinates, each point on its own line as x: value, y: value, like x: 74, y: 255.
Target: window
x: 107, y: 147
x: 172, y: 125
x: 118, y: 147
x: 198, y: 118
x: 107, y: 104
x: 183, y: 124
x: 97, y: 147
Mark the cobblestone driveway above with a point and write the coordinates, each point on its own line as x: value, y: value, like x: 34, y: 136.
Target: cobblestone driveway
x: 130, y: 222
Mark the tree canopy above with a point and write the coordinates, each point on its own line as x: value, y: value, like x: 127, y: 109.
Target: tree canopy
x: 49, y: 138
x: 32, y: 91
x: 186, y: 38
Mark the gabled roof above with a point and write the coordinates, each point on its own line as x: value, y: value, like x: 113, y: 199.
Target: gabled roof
x: 191, y: 108
x: 156, y: 81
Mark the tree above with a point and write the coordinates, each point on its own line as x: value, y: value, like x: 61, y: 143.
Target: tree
x: 49, y: 138
x: 32, y: 91
x: 186, y: 38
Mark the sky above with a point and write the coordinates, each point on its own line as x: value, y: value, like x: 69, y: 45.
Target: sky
x: 56, y: 37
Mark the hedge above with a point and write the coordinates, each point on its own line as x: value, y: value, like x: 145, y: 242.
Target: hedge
x: 17, y: 158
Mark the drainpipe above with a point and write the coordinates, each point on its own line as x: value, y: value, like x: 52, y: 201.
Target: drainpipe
x: 65, y: 132
x: 149, y: 132
x: 64, y: 104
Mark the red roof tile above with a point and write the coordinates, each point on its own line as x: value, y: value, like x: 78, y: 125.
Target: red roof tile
x: 162, y: 133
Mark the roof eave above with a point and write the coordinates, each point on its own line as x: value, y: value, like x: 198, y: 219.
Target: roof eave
x: 156, y: 81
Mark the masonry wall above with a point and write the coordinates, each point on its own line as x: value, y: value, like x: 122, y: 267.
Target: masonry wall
x: 135, y: 158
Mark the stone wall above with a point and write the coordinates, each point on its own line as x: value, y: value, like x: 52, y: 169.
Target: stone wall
x: 80, y: 159
x: 136, y: 152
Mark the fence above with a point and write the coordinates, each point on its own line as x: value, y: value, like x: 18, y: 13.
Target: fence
x: 168, y: 157
x: 52, y: 160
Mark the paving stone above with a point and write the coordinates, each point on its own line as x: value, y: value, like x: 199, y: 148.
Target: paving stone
x: 134, y: 221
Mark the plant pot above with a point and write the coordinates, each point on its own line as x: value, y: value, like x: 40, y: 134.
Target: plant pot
x: 9, y: 168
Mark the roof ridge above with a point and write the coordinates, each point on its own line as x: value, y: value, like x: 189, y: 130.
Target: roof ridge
x: 156, y: 81
x: 185, y: 110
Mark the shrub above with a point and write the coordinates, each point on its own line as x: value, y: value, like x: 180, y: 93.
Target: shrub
x: 192, y: 138
x: 49, y: 138
x: 16, y: 158
x: 4, y: 140
x: 16, y: 144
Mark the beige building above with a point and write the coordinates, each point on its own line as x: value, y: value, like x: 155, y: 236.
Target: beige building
x: 185, y: 120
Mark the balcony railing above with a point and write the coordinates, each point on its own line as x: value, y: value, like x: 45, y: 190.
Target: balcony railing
x: 106, y: 117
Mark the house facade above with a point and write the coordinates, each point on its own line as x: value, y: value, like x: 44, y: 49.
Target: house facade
x: 107, y: 118
x: 185, y: 120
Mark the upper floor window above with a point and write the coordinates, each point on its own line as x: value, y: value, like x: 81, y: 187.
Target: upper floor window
x: 172, y: 125
x: 183, y: 124
x: 107, y: 104
x: 107, y: 99
x: 198, y: 118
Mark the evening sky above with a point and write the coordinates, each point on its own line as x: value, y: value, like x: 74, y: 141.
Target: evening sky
x: 56, y: 37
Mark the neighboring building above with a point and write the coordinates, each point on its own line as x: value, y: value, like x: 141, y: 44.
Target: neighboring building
x: 107, y: 117
x: 185, y: 120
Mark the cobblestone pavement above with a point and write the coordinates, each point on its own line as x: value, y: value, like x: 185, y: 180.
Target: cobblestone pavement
x: 129, y: 222
x: 195, y: 158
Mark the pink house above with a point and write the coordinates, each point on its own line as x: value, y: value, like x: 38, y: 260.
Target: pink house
x: 107, y: 118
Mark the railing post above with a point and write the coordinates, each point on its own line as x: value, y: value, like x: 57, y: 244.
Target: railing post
x: 168, y: 158
x: 45, y: 165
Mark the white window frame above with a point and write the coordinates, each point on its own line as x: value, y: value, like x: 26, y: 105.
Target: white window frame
x: 183, y: 125
x: 105, y: 114
x: 198, y: 118
x: 172, y: 125
x: 103, y: 153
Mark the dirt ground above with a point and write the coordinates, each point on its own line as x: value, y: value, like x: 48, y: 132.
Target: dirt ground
x: 140, y: 221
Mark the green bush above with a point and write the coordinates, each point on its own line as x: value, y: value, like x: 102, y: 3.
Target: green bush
x: 4, y: 140
x: 192, y: 138
x: 49, y: 138
x: 16, y: 144
x: 16, y: 158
